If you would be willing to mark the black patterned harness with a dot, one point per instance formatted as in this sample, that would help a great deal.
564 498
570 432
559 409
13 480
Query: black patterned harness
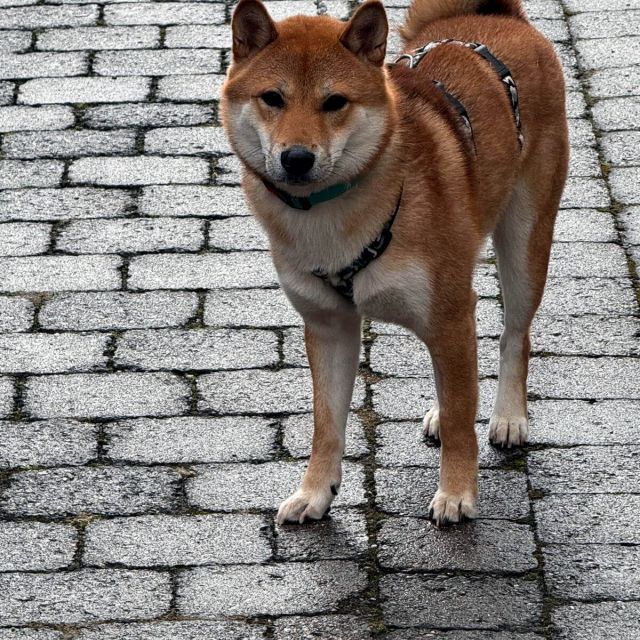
414 58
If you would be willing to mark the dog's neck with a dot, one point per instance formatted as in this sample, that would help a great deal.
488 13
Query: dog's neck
333 233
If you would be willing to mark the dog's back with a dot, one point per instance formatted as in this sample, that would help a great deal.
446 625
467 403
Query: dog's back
502 152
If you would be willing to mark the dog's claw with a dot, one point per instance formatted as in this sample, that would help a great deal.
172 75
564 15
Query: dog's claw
446 508
508 431
431 423
305 504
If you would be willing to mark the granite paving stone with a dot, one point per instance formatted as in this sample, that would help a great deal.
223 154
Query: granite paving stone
262 486
584 225
25 633
61 204
145 114
188 88
131 236
84 596
36 546
59 273
611 469
24 238
187 141
606 620
573 377
483 546
47 443
594 335
87 38
237 270
102 310
191 440
278 589
48 16
624 184
52 353
189 36
96 490
250 308
204 349
163 13
609 52
592 571
408 492
174 630
148 541
610 83
15 174
7 90
21 118
402 444
192 200
411 398
159 62
79 90
573 422
7 392
44 64
335 627
112 395
587 296
137 170
16 314
473 602
15 41
591 519
340 536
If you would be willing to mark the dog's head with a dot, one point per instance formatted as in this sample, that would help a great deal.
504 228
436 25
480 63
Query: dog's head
306 103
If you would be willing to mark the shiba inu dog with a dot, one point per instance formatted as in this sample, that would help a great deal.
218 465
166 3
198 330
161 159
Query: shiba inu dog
378 186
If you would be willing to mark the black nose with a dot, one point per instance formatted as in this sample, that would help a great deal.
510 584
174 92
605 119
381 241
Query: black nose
297 160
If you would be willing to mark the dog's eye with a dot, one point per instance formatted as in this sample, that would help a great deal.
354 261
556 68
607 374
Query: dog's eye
273 99
334 103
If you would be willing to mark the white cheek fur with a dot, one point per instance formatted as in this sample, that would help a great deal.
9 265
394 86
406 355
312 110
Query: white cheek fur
347 153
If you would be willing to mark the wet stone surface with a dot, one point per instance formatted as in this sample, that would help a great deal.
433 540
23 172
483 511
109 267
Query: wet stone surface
155 395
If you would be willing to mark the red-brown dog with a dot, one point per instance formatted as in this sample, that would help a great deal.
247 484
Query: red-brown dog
378 185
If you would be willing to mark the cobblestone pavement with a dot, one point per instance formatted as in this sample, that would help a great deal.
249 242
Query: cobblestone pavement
154 390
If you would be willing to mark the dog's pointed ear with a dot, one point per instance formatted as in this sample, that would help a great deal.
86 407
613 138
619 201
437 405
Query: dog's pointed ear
252 27
366 33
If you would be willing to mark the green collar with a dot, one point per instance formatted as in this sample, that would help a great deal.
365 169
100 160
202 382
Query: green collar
304 203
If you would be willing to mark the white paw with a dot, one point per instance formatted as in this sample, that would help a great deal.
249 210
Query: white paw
508 431
431 423
305 504
448 508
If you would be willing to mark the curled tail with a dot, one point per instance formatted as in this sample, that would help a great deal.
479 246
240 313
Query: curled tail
422 12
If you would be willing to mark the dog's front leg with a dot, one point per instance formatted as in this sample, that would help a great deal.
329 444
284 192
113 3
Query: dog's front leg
333 346
453 350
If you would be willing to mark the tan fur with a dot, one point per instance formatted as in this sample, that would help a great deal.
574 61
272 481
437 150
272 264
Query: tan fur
396 134
422 12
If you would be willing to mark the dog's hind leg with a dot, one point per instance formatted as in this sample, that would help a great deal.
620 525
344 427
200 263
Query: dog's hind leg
333 347
522 242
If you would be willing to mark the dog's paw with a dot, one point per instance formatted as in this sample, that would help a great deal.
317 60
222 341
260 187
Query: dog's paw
431 423
508 431
306 504
449 508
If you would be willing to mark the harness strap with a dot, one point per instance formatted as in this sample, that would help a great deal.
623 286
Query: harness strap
414 58
342 281
461 111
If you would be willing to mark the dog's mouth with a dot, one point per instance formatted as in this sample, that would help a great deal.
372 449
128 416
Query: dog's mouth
298 181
